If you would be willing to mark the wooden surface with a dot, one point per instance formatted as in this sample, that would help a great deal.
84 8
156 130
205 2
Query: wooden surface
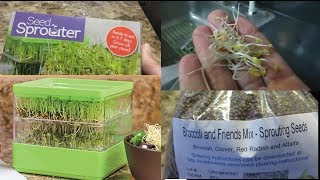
168 103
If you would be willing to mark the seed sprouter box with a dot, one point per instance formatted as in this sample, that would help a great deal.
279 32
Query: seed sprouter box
64 45
72 128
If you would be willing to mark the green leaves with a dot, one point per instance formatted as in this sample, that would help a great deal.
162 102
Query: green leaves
89 125
81 111
67 58
81 58
68 135
138 138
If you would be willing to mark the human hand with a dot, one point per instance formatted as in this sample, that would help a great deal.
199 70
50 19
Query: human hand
149 65
220 77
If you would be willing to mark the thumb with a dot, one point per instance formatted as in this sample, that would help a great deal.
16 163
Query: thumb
149 65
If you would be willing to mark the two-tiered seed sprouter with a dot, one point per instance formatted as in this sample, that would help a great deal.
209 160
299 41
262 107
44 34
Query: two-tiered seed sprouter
72 113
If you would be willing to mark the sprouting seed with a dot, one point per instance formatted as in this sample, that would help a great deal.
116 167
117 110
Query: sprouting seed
70 123
240 52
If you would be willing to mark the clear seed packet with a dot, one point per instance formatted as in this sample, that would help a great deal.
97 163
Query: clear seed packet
243 135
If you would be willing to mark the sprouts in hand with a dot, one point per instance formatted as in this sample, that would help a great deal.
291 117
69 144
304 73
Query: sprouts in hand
241 52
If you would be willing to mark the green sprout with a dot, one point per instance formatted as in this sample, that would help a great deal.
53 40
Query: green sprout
73 110
81 58
241 52
25 54
63 134
90 125
151 136
138 138
32 56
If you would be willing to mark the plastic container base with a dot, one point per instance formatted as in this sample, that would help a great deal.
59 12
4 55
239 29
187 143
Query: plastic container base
68 163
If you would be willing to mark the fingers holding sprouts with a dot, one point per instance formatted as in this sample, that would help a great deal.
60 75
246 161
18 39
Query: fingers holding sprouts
238 51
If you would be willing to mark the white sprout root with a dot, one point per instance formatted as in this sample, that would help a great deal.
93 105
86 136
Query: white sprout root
240 52
153 135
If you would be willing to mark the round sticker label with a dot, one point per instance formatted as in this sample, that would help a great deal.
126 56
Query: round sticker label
121 41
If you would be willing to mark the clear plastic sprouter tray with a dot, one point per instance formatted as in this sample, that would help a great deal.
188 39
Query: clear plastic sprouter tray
72 113
73 99
73 135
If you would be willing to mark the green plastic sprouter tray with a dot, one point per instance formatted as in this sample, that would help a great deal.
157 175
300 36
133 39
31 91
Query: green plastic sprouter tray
73 89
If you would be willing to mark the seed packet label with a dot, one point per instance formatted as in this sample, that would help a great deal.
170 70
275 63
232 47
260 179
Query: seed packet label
27 24
122 41
279 148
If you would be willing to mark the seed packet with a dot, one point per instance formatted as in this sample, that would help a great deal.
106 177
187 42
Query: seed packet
63 45
243 135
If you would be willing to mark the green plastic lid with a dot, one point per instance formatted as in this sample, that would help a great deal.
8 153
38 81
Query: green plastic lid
73 89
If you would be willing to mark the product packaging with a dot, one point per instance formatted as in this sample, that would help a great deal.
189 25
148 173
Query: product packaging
243 134
54 44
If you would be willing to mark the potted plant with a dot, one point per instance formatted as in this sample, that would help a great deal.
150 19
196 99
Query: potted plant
143 152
